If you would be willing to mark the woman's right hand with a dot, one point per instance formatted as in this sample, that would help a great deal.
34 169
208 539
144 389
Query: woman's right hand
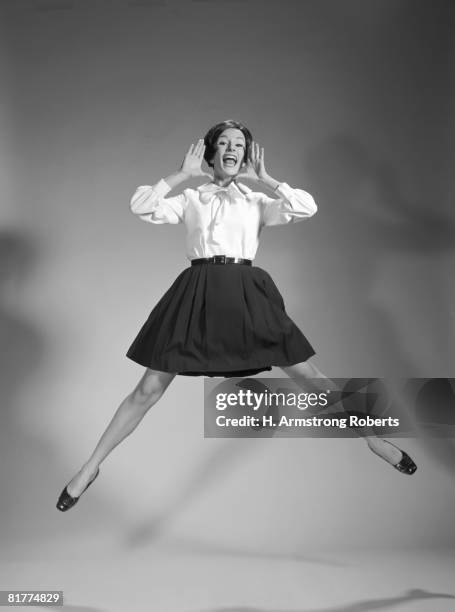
192 164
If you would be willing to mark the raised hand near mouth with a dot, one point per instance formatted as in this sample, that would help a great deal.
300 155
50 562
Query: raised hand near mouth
192 163
254 168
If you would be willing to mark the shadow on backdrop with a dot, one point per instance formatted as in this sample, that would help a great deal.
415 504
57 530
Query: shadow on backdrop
230 454
24 459
29 495
388 223
208 548
366 605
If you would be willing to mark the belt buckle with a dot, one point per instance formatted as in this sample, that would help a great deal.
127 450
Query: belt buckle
219 259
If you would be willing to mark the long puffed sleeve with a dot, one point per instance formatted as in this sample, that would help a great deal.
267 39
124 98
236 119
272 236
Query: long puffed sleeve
293 206
150 204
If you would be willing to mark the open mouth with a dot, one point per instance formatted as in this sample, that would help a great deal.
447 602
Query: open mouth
229 160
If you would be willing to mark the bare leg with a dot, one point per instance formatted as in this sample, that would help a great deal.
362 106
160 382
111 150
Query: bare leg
127 417
304 371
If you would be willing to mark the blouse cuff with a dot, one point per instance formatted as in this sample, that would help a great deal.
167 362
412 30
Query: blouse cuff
284 189
162 188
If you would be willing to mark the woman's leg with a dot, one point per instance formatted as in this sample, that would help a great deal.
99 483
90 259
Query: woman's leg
127 417
304 372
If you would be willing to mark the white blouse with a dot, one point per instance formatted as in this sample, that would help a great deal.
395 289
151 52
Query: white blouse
222 220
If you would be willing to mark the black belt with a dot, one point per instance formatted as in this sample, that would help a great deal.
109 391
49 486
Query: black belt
221 259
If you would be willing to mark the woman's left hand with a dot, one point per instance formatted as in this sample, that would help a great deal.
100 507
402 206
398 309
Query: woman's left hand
254 168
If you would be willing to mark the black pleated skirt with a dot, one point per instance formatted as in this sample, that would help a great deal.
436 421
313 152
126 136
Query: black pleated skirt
221 320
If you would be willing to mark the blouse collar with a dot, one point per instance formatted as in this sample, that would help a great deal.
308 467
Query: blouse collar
233 188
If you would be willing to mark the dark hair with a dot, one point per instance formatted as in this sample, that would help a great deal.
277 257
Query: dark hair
214 132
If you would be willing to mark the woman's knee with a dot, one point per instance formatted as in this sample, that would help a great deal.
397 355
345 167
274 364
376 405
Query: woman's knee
303 369
151 387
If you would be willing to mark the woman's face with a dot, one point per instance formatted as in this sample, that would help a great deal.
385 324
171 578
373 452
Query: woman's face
230 151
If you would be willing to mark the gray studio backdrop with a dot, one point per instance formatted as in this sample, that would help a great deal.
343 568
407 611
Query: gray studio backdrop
352 101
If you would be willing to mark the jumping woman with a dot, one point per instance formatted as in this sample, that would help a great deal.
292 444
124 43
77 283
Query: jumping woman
222 316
